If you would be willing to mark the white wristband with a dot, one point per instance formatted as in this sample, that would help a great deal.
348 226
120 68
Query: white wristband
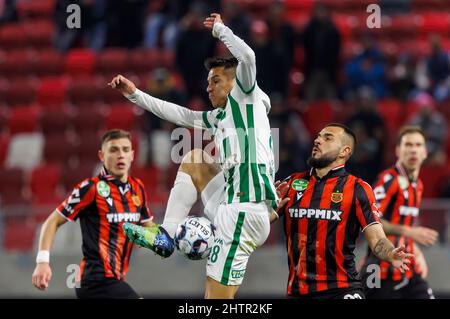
43 256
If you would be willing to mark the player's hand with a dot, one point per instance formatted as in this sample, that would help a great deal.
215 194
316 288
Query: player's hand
282 189
421 265
42 275
422 235
123 85
400 259
211 20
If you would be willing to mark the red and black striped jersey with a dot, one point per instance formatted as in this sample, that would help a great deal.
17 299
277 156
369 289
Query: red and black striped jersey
322 221
399 200
103 204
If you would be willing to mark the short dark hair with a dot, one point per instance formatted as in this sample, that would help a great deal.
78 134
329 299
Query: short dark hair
408 129
347 130
115 134
215 62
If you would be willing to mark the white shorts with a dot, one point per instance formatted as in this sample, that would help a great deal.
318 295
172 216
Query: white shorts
240 229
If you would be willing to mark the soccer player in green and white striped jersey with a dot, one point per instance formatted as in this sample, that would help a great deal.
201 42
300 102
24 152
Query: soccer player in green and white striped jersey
239 192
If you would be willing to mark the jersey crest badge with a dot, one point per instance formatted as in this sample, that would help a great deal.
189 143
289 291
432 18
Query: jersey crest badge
103 189
337 197
136 200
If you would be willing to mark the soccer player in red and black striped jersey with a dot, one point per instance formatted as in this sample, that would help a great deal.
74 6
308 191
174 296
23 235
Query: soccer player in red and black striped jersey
398 191
102 204
324 210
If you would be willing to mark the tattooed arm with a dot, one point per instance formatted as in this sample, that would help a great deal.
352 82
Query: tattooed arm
383 248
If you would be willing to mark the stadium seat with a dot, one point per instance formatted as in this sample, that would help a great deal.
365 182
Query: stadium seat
317 115
12 36
112 61
54 122
84 89
391 111
23 119
25 151
19 91
72 177
80 62
4 144
88 119
149 175
12 186
433 178
39 34
47 62
435 22
19 235
52 91
86 151
44 180
143 60
35 9
15 62
121 116
58 149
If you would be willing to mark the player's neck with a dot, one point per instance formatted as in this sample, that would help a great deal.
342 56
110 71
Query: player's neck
413 174
321 172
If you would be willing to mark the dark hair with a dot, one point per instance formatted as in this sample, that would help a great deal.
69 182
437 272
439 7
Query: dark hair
408 129
347 130
115 134
215 62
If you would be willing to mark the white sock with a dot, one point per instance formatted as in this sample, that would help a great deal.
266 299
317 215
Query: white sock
181 199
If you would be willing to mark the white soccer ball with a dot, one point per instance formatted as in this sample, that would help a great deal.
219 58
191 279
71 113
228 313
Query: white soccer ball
194 237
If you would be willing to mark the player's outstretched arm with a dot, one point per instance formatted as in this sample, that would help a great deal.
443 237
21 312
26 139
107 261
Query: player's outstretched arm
384 250
246 70
42 273
165 110
422 235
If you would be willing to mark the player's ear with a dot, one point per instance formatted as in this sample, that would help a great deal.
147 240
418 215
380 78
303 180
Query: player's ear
397 151
101 155
132 155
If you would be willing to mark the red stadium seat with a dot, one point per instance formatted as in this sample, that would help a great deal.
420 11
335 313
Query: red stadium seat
47 62
72 177
391 111
58 149
52 91
15 62
149 175
39 33
12 36
80 62
112 61
19 91
23 119
4 143
88 119
143 60
54 122
85 89
121 116
433 177
19 235
317 115
87 149
36 9
44 180
12 186
435 22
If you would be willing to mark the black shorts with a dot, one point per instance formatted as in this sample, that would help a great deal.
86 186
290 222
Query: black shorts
414 288
106 289
340 293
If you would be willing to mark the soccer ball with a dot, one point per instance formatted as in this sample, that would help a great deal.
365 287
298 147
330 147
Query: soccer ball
194 237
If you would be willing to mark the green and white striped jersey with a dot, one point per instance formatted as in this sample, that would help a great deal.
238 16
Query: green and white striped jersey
244 143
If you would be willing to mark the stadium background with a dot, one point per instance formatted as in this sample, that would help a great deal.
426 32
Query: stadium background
54 103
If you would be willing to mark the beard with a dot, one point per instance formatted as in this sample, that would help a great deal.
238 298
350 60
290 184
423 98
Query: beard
321 162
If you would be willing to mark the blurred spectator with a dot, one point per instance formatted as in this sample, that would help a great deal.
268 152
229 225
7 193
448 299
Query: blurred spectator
126 21
269 61
322 43
194 45
402 77
162 84
93 25
434 125
237 19
8 11
161 27
366 69
370 131
433 73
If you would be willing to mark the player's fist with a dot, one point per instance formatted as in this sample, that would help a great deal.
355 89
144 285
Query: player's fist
41 276
211 20
121 83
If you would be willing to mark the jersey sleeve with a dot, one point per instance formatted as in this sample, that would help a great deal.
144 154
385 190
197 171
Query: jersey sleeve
82 196
210 119
146 213
367 212
385 188
246 69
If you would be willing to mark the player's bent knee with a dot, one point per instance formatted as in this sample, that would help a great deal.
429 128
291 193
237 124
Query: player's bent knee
200 166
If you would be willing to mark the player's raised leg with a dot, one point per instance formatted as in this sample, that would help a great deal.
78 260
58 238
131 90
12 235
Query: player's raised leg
195 172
